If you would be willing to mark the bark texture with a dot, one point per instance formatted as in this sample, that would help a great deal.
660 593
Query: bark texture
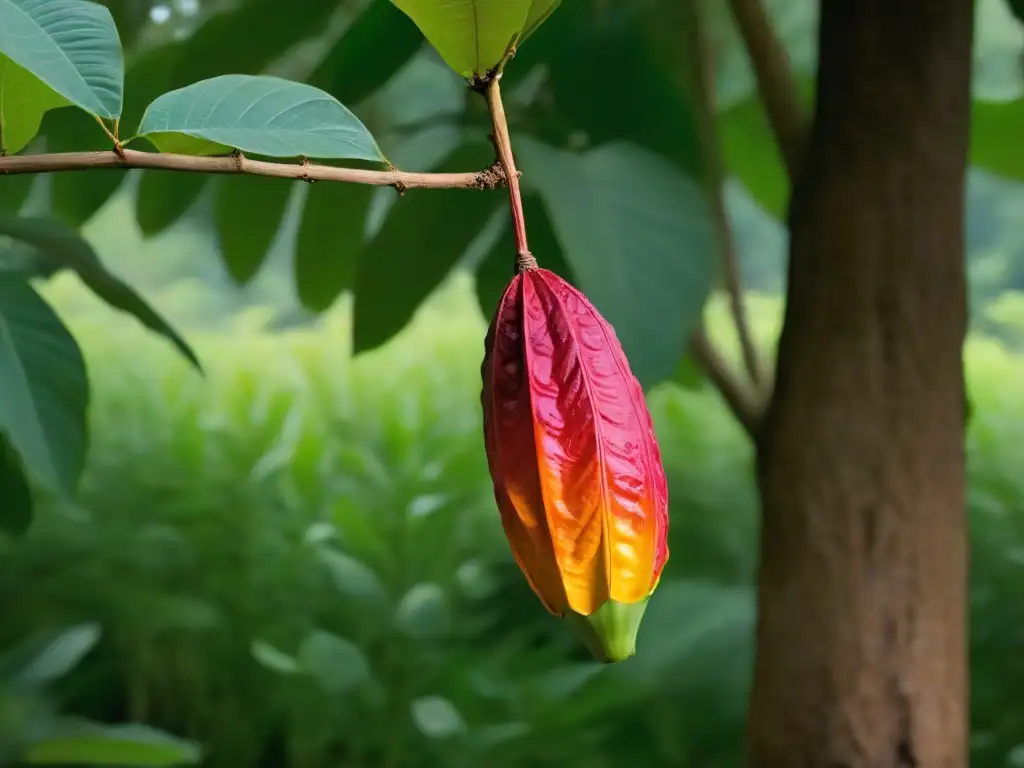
861 659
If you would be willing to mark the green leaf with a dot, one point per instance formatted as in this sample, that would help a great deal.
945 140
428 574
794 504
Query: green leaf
130 18
751 154
423 612
273 659
14 191
216 47
64 248
337 664
149 75
540 10
331 237
76 197
422 238
496 269
358 65
69 45
247 213
81 742
258 114
472 36
24 99
638 235
59 655
16 510
163 197
997 128
44 385
623 67
1017 9
437 718
353 578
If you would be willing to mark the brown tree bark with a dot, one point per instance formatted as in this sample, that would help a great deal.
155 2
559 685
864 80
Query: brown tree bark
861 656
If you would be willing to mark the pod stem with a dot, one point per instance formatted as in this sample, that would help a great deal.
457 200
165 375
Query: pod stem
503 147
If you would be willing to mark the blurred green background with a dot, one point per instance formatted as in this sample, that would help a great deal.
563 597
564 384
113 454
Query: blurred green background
296 562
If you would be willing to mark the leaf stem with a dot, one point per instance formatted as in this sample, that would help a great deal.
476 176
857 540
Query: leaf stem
490 178
503 148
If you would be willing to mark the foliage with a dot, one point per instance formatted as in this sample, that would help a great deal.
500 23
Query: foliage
319 577
34 733
189 84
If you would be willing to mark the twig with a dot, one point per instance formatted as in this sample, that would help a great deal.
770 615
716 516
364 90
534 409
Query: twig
715 177
491 178
743 405
774 80
490 86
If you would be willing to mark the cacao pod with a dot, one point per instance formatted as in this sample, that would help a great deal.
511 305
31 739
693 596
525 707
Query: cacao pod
577 471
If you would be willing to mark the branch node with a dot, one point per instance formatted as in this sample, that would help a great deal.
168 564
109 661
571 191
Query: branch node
491 178
304 162
525 261
399 186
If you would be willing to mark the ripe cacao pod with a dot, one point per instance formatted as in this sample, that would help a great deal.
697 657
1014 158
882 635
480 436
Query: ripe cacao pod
577 471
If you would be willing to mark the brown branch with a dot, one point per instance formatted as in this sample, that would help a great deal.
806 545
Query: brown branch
715 176
775 80
743 404
491 178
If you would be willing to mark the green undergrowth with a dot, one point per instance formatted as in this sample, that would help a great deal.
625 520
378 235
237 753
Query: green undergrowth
296 559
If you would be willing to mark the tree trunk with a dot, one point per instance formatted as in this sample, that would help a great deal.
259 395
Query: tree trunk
861 654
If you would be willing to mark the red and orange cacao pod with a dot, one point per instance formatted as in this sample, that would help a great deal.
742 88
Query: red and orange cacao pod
576 467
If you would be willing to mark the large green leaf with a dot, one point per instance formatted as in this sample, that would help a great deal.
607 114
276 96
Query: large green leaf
357 65
472 36
69 45
24 99
333 230
14 191
163 197
751 155
216 47
76 197
997 137
81 742
16 510
247 213
259 114
625 66
750 152
331 237
54 656
336 663
64 248
44 385
423 237
639 238
496 269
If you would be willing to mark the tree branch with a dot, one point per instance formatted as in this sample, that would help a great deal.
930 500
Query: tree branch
490 178
715 176
744 406
775 81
